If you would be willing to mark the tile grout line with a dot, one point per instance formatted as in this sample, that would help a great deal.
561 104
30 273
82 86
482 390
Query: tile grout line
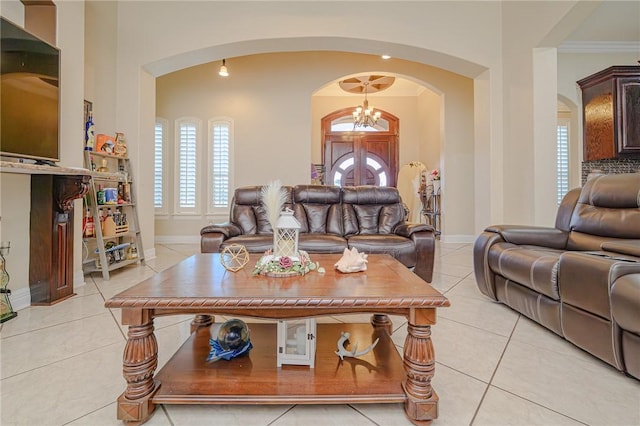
475 414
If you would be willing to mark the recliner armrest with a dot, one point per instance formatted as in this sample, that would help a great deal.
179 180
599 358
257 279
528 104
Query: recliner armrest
407 229
227 229
531 235
630 248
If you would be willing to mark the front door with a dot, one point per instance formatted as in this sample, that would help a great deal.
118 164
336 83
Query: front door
360 157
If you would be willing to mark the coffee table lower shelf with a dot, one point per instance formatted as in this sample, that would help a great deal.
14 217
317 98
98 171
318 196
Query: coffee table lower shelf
254 379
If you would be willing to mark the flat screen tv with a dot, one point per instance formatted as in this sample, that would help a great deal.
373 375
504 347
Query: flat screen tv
29 92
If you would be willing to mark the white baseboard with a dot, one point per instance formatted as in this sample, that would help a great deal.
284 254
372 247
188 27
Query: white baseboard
78 279
177 239
150 254
20 298
458 239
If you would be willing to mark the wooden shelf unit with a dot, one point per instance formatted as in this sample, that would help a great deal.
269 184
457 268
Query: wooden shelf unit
95 262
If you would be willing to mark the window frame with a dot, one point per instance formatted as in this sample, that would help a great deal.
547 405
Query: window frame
164 210
177 209
563 122
211 209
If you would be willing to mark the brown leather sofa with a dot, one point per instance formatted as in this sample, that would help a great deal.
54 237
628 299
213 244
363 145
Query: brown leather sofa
368 218
580 279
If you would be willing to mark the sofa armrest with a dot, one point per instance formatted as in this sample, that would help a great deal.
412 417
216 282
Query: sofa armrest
406 229
212 236
425 243
228 229
630 248
532 235
485 278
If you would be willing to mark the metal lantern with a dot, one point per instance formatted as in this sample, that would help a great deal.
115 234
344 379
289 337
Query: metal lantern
297 342
285 236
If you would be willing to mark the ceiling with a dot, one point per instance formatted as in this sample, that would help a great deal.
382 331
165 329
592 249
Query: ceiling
612 21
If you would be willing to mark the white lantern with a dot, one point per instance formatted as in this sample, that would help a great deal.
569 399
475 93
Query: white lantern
285 236
297 342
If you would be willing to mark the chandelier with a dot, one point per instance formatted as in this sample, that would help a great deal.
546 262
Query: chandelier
364 116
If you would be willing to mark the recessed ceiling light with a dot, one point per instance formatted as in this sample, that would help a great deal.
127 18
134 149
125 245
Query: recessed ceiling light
386 56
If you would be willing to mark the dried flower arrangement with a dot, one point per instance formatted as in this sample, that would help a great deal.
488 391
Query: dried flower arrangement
285 266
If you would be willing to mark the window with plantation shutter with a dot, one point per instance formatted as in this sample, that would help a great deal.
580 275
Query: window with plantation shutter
159 186
220 140
563 158
187 135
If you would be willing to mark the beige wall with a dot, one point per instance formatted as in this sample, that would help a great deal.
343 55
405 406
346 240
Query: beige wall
493 45
277 118
16 190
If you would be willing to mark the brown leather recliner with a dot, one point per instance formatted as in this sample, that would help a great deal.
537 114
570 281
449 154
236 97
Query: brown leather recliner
580 279
368 218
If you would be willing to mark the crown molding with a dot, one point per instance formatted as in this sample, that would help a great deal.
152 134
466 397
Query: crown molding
600 47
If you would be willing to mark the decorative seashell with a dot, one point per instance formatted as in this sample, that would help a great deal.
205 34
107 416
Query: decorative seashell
352 261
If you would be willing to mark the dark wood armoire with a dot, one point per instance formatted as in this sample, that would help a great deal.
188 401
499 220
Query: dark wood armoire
611 113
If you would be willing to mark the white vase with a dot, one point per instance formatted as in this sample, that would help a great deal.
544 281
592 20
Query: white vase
436 186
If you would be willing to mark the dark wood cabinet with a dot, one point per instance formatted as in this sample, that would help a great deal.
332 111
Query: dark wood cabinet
51 236
611 113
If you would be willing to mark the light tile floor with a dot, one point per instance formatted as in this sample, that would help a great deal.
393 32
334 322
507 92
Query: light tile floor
61 365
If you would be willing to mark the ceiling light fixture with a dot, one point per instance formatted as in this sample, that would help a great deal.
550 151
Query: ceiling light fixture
386 56
223 69
364 116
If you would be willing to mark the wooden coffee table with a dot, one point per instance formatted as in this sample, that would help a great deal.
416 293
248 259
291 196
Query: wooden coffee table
200 285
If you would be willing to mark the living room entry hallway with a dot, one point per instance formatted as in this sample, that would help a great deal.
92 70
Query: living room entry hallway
62 365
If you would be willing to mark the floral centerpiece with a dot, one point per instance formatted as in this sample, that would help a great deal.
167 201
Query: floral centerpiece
284 266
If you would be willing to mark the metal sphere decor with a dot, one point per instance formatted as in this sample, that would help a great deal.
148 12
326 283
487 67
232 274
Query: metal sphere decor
232 339
234 257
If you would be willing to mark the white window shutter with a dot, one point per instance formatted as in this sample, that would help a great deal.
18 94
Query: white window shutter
158 167
563 160
220 142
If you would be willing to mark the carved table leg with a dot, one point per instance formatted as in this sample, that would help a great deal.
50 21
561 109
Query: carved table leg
382 320
421 405
201 321
140 361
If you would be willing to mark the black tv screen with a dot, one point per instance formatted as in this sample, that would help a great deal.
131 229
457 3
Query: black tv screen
29 92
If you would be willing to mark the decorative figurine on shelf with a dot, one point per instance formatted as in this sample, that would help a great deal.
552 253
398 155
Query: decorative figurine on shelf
352 261
120 149
89 133
342 352
232 340
6 310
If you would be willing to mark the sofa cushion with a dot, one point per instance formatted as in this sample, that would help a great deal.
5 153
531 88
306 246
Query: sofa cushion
399 247
248 212
625 302
530 266
584 279
322 243
369 210
608 207
318 208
